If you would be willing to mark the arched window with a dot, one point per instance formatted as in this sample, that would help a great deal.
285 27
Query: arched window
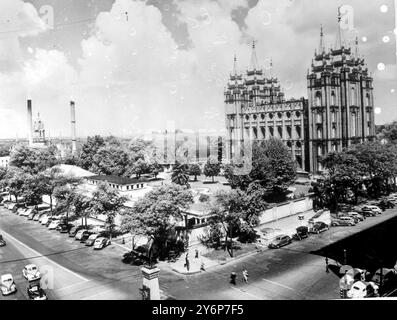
319 133
319 117
333 132
298 131
353 95
263 131
367 100
318 99
319 150
289 131
333 116
271 131
280 132
333 98
353 124
255 131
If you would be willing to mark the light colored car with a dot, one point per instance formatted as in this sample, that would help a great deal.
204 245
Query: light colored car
101 243
356 215
54 224
7 284
280 241
343 221
358 290
45 219
91 239
20 211
373 208
26 213
31 273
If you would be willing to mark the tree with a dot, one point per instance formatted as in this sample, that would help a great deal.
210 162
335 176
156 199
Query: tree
241 181
108 202
3 178
179 175
110 160
15 178
139 167
33 190
89 149
82 207
194 170
33 160
159 212
65 196
53 178
212 168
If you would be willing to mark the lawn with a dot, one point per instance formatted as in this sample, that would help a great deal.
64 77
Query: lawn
238 250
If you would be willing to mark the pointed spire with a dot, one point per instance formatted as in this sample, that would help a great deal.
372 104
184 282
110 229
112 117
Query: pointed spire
235 65
356 47
339 37
321 48
254 59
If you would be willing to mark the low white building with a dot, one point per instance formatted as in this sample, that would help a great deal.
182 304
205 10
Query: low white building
4 161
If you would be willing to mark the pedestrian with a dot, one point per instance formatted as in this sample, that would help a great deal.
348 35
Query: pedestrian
233 277
245 275
187 265
326 265
196 254
202 268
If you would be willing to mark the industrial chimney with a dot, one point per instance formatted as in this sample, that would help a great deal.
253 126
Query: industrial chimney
30 123
73 123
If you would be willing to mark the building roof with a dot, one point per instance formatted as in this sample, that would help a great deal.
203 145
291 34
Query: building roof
74 171
116 179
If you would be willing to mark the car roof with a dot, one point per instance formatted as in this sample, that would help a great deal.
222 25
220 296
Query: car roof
6 276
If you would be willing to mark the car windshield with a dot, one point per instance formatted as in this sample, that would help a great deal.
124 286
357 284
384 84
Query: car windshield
7 280
33 268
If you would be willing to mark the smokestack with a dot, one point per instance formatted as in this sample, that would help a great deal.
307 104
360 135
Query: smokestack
30 123
73 123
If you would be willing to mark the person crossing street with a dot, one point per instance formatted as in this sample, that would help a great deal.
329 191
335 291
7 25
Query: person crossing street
245 275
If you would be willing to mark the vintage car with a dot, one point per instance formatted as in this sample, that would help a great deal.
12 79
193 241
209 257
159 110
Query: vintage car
101 243
362 289
91 239
35 292
343 221
280 241
31 272
7 284
319 227
301 233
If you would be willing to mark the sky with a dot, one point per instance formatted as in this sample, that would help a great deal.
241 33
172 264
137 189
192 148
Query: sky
134 66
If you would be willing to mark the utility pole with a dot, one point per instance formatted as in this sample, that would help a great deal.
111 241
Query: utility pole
345 256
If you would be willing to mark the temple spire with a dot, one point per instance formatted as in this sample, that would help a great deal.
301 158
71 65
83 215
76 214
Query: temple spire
321 48
356 47
235 65
339 37
254 59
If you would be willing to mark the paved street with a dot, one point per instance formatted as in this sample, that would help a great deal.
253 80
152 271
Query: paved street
293 272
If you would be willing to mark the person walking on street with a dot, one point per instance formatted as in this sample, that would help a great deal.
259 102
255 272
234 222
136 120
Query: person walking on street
326 265
196 254
202 268
245 275
187 264
233 277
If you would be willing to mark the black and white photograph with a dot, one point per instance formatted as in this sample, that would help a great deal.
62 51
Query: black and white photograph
198 150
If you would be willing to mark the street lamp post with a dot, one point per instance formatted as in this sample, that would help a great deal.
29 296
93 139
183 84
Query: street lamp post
345 256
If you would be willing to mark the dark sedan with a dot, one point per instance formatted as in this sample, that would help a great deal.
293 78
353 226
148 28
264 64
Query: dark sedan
319 227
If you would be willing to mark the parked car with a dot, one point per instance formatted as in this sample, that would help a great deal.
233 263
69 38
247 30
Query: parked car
280 241
64 228
356 216
35 292
91 239
50 220
343 221
383 273
319 227
38 216
20 210
83 233
26 212
32 214
86 235
301 233
375 209
2 241
7 284
362 289
54 224
31 273
74 230
44 219
101 243
367 212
